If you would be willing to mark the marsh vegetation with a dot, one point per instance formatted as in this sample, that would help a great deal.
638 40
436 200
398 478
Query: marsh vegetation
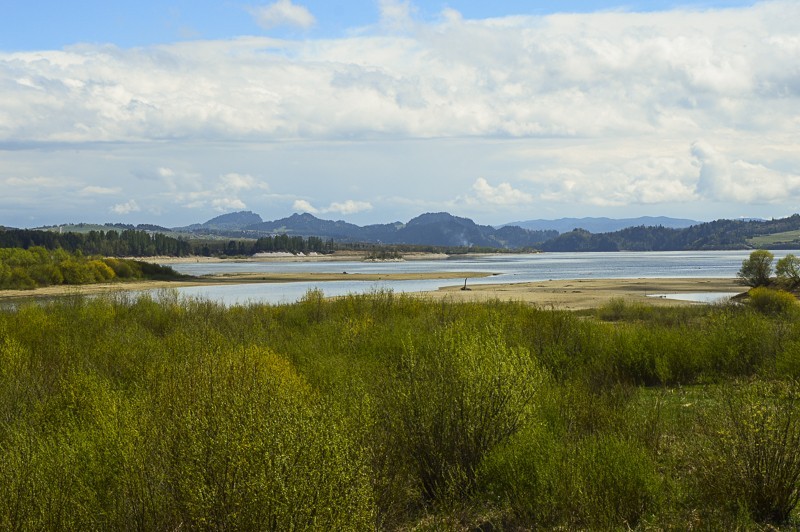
388 412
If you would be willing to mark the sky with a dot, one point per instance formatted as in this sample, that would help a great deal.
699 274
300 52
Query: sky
374 111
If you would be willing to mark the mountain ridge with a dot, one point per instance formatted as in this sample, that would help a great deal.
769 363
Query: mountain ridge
604 224
444 230
432 229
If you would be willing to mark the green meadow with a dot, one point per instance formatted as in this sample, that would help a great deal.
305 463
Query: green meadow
386 412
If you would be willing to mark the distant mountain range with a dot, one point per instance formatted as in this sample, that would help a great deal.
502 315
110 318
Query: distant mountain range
567 234
603 225
232 221
443 230
431 229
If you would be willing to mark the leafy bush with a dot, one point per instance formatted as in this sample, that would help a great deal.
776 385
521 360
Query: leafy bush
249 445
787 362
769 301
600 482
618 309
749 451
451 401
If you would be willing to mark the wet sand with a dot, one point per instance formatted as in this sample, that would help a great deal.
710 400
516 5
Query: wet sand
588 293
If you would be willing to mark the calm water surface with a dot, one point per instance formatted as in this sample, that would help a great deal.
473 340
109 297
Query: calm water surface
504 269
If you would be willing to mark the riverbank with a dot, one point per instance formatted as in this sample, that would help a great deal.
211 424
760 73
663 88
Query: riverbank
584 294
578 294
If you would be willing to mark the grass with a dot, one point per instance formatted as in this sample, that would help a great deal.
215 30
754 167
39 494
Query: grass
382 411
765 241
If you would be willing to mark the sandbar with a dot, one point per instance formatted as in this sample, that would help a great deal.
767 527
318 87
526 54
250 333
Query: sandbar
581 294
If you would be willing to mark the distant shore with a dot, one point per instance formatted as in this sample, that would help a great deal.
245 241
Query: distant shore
344 256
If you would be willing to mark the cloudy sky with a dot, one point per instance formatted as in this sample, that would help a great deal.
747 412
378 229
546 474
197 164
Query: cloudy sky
172 112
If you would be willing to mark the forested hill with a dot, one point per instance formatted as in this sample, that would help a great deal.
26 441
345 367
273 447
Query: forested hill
429 229
128 243
719 234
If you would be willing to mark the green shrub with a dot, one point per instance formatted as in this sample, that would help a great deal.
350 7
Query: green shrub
749 451
522 476
737 342
618 309
615 483
450 401
249 445
601 482
769 301
100 271
787 362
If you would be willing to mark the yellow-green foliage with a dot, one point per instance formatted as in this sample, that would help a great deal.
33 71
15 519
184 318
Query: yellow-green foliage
750 451
382 411
770 301
37 266
452 399
132 426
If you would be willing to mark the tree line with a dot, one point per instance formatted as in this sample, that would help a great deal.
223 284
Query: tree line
282 243
128 243
138 243
719 234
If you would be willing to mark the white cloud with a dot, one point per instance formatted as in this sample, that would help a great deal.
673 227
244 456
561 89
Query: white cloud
304 206
741 181
221 194
99 191
348 207
502 194
283 13
228 204
608 179
126 208
344 208
236 182
608 74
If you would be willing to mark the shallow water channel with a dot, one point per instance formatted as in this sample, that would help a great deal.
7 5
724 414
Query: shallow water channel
505 268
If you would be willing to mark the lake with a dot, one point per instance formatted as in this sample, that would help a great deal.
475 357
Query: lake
505 268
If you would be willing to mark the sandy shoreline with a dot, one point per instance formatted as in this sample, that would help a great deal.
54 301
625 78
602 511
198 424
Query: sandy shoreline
562 294
580 294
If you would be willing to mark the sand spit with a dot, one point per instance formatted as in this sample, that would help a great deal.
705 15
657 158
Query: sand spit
588 293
